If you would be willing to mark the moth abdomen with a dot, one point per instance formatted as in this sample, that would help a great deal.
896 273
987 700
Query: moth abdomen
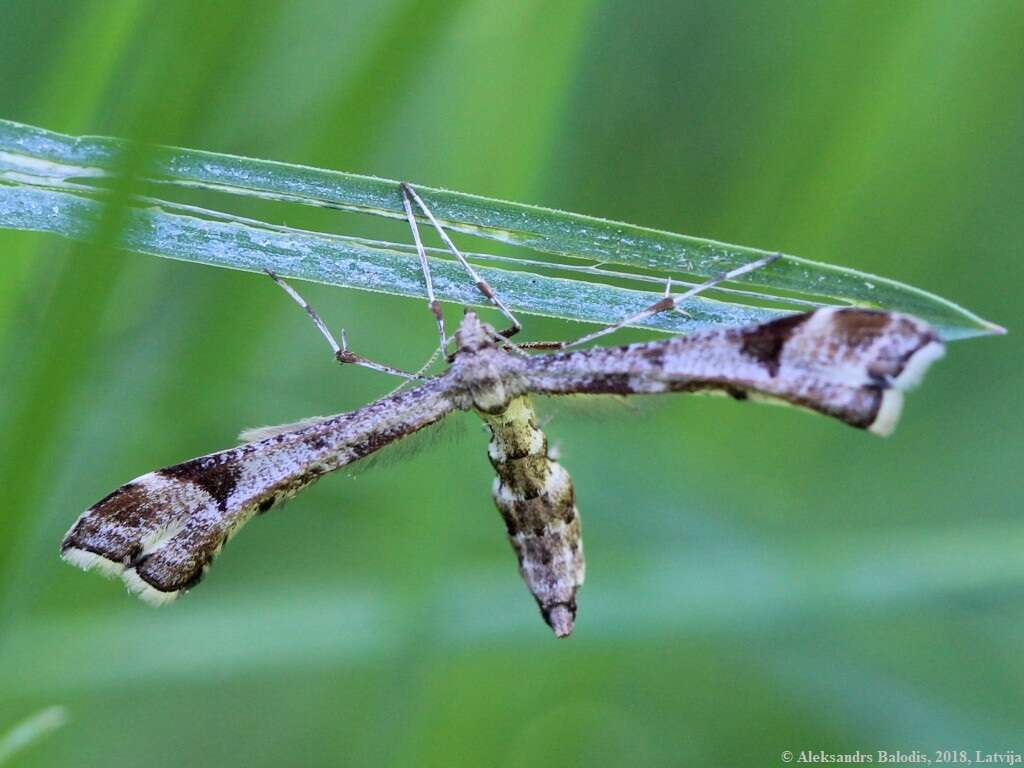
535 496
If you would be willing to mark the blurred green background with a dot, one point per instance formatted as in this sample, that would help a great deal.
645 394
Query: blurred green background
759 579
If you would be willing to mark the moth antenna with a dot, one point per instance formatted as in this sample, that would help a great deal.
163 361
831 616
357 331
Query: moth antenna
432 302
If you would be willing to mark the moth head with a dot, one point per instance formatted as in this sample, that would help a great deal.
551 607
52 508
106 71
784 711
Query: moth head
474 334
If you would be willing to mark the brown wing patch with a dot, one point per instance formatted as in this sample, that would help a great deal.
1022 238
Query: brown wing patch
182 563
764 342
106 529
214 474
859 327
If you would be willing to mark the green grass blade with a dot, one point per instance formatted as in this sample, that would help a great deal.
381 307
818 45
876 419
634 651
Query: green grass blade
29 731
29 154
344 261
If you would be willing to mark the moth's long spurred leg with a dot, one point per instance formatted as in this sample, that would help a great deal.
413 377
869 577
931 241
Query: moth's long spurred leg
409 195
341 352
851 364
671 302
432 302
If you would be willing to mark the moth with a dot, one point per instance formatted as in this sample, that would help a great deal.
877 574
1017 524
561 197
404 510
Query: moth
161 531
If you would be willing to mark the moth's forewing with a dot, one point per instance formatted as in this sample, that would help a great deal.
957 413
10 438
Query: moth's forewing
161 531
851 364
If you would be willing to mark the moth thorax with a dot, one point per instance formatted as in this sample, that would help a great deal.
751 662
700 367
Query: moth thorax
492 379
490 396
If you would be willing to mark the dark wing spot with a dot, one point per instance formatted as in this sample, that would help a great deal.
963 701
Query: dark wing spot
859 327
122 505
864 411
107 529
764 342
214 474
654 354
607 384
165 577
317 441
113 495
374 441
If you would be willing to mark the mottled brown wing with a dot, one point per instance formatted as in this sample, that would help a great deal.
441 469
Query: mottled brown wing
160 532
852 364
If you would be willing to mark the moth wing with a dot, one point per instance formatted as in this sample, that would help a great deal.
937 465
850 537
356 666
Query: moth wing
161 531
851 364
255 434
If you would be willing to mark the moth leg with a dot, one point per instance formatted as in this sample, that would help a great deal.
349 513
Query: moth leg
667 303
409 196
432 302
341 352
